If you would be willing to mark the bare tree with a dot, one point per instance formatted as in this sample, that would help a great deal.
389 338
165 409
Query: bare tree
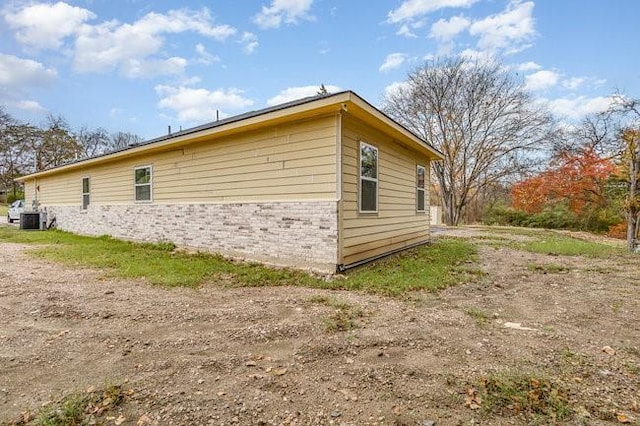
626 112
15 139
56 145
93 142
122 140
481 118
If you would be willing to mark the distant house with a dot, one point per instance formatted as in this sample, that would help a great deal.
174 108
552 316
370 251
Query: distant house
325 182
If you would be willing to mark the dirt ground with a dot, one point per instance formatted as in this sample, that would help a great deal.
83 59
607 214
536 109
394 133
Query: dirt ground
219 355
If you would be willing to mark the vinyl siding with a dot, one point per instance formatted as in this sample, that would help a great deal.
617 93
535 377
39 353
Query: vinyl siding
295 161
397 223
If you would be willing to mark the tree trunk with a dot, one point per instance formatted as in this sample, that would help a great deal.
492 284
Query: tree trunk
632 212
631 233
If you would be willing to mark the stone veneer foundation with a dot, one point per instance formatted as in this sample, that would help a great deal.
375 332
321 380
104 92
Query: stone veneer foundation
298 234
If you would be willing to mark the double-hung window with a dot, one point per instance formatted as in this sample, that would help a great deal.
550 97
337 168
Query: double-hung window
86 193
420 188
368 178
143 183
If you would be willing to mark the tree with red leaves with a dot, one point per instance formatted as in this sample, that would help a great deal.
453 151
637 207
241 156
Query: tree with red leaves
576 178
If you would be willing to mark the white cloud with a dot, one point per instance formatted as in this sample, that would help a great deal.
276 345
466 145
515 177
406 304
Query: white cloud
406 31
508 30
250 41
412 9
18 73
477 55
200 105
205 57
573 83
29 105
576 108
135 68
287 11
112 45
528 66
46 25
541 80
395 88
294 93
445 30
393 61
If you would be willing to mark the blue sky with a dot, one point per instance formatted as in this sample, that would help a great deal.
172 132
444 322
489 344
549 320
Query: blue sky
140 65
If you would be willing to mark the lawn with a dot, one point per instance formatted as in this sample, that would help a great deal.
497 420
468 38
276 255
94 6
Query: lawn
430 267
3 210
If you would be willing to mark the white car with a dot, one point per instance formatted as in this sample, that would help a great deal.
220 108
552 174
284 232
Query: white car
14 211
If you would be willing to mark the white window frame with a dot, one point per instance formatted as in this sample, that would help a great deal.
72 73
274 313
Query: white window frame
136 185
88 194
361 178
423 189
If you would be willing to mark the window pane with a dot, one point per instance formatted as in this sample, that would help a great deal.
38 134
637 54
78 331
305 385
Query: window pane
85 201
143 175
143 193
368 161
420 199
368 196
85 185
420 177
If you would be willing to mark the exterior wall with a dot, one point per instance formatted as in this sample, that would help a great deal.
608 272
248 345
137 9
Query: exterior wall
397 224
298 234
268 195
296 161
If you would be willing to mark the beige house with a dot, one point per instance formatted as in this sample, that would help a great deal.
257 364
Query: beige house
325 182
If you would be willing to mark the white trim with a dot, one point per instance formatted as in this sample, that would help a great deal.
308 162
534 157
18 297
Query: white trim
135 185
423 189
82 206
361 178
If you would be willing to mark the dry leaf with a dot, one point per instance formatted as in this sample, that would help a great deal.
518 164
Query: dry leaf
397 410
121 419
609 350
622 418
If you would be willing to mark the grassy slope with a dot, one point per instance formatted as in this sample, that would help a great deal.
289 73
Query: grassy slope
429 267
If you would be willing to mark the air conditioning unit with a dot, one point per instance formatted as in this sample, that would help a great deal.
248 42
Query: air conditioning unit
33 220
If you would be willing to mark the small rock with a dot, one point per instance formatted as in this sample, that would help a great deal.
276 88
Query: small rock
144 420
335 414
428 423
250 364
200 381
609 350
109 292
279 371
121 419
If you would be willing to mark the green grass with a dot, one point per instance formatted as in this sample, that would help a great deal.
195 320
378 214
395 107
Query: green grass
535 397
480 316
550 242
81 408
432 267
548 268
560 245
345 316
